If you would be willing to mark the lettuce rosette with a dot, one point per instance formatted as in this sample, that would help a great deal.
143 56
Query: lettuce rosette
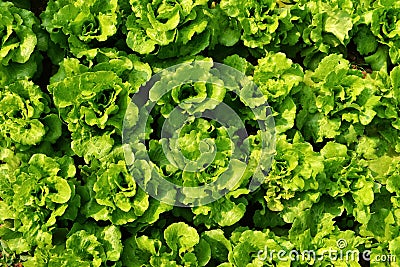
339 103
110 191
384 23
26 119
19 56
80 26
92 100
329 29
266 24
37 195
279 82
168 29
93 105
344 104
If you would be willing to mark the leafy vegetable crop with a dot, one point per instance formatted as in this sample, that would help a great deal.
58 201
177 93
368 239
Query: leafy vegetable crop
199 133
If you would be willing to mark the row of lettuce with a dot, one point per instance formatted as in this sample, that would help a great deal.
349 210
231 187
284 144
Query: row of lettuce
162 29
67 198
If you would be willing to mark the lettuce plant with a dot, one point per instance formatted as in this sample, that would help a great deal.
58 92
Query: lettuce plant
35 195
18 37
158 26
26 118
20 42
94 110
79 26
384 21
111 192
265 23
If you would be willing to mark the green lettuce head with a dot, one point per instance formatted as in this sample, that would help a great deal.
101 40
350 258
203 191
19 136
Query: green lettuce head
80 25
18 39
167 28
112 194
35 197
265 24
92 100
25 117
93 105
385 25
19 42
